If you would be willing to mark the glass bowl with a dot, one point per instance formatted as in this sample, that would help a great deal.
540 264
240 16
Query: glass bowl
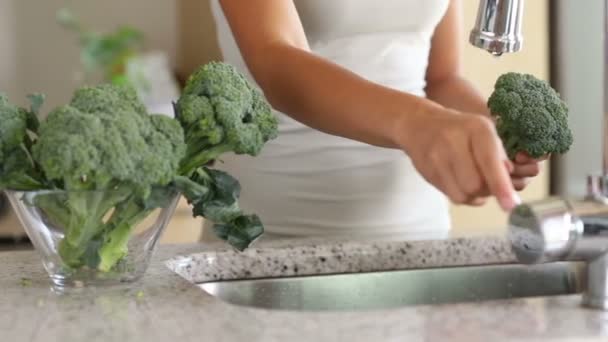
89 238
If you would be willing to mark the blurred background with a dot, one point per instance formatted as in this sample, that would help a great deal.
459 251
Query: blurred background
42 52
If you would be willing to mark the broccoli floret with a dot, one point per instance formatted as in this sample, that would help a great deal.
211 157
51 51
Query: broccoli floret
107 99
102 140
221 112
530 116
17 168
105 142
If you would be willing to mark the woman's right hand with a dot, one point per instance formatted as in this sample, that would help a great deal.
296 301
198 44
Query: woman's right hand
462 155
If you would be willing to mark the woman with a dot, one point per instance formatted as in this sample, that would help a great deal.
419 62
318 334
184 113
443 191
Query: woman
378 129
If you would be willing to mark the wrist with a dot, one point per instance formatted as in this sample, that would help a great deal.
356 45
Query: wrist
409 126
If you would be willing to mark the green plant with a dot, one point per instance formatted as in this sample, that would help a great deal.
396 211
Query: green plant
107 53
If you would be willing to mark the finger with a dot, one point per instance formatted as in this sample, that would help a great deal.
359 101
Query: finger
490 157
520 183
477 201
466 173
526 170
523 158
450 186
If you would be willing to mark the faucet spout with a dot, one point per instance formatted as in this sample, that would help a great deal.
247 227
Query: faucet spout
498 26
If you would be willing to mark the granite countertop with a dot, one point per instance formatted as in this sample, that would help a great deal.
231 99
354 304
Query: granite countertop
163 306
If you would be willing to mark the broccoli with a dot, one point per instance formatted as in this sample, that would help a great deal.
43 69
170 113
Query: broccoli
221 112
104 163
18 170
104 141
530 116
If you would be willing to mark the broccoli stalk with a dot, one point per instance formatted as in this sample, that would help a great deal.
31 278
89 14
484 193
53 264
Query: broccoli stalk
125 218
530 116
119 228
85 214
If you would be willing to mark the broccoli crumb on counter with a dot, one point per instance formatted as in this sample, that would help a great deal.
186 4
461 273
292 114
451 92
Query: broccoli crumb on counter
530 116
25 282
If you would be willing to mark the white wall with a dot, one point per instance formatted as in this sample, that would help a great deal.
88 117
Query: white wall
580 58
47 55
9 83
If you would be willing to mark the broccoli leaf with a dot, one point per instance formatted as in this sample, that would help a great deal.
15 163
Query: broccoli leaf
241 231
214 195
223 206
36 102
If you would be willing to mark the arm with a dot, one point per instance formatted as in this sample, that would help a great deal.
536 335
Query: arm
298 83
459 154
445 83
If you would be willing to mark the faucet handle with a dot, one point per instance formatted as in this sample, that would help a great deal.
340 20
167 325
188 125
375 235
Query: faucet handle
544 230
498 26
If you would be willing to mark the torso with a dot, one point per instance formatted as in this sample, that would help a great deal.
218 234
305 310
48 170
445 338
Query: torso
309 183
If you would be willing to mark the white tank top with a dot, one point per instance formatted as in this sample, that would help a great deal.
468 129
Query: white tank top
310 183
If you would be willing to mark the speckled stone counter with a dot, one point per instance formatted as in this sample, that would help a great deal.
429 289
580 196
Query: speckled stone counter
164 306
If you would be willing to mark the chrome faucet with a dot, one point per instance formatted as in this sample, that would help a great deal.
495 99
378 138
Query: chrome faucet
554 229
498 26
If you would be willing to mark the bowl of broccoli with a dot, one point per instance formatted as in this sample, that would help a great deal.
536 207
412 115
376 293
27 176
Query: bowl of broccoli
97 180
94 237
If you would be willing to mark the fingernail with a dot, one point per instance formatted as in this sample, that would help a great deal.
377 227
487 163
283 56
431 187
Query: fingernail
510 202
515 198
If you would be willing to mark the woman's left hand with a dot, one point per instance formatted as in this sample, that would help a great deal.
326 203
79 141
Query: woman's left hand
524 168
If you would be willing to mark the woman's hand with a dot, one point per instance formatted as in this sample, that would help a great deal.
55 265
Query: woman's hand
524 168
462 155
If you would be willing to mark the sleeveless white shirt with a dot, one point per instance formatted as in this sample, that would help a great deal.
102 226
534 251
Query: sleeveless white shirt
310 183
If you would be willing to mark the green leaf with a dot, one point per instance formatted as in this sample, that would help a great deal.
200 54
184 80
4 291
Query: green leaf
241 232
67 19
119 79
222 206
36 102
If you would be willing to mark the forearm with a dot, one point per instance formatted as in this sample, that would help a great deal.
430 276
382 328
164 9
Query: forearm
332 99
457 93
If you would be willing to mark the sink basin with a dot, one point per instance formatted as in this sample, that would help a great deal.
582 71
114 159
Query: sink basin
391 289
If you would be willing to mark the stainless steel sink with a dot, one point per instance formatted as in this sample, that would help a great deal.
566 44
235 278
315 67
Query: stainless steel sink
382 290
